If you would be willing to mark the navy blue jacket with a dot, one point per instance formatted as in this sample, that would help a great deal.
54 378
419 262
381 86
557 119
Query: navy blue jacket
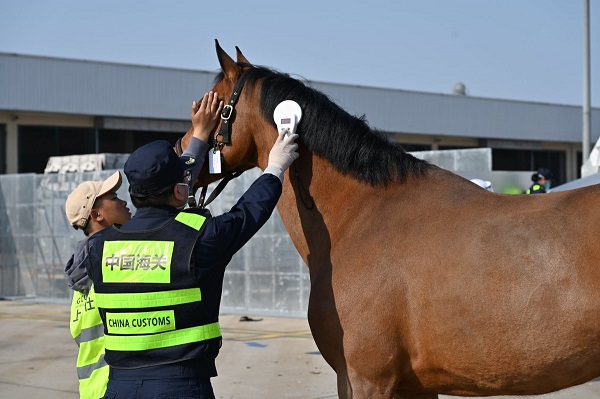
220 236
219 239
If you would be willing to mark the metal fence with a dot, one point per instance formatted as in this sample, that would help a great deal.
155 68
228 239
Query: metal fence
267 276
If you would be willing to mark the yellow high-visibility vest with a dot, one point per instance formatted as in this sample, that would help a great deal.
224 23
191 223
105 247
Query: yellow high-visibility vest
148 297
88 332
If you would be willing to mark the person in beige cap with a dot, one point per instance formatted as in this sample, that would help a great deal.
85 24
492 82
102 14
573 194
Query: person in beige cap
91 207
94 205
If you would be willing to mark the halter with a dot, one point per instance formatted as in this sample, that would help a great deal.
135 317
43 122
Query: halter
228 111
225 133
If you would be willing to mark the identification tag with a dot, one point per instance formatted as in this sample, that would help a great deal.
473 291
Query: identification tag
214 162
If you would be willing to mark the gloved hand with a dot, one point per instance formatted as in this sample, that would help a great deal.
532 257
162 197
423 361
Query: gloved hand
284 152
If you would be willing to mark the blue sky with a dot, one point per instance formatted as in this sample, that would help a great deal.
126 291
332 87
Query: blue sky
514 49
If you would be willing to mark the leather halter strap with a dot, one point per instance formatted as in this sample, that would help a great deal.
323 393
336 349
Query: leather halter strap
228 110
225 133
204 202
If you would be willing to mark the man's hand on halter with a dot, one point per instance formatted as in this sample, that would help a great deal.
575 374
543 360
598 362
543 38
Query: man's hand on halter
205 115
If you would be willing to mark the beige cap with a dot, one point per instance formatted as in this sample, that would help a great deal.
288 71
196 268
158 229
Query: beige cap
81 200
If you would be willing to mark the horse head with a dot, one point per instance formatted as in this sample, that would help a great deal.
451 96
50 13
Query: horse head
235 137
247 131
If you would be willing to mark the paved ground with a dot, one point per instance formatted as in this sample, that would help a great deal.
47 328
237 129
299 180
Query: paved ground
271 358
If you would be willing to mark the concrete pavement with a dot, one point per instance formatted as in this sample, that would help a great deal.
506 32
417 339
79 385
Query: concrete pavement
271 358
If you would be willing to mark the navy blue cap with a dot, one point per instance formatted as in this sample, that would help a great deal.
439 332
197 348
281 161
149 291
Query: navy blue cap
545 173
154 167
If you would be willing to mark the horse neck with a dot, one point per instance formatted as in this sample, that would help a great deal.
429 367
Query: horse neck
316 203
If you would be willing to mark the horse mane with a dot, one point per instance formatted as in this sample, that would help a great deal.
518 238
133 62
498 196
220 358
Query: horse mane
329 131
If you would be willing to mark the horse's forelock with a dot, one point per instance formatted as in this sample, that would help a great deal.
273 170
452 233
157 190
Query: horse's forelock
220 76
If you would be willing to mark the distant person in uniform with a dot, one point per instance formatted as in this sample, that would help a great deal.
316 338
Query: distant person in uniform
542 180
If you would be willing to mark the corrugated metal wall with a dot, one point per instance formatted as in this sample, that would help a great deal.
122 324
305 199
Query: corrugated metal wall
99 89
40 84
462 116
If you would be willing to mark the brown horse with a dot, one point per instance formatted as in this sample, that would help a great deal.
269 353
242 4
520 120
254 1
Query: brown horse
422 283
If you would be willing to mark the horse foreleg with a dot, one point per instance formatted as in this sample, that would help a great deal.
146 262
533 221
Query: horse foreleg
356 386
362 389
343 386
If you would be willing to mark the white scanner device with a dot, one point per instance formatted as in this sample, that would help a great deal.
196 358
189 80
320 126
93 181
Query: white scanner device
287 115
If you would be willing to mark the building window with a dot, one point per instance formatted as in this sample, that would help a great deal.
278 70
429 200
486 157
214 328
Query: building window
454 147
38 143
415 147
530 160
125 141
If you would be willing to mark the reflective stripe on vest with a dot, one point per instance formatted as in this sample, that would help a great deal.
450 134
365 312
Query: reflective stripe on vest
94 387
162 340
90 334
85 372
534 188
191 220
149 299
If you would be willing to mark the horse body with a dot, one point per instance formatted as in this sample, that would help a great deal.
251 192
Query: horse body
473 294
429 284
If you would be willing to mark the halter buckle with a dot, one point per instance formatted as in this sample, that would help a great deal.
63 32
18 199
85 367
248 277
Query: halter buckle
226 112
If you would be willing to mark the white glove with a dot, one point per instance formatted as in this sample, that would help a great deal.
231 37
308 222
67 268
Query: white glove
284 152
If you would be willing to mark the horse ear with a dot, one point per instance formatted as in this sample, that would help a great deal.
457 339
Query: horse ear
228 65
240 57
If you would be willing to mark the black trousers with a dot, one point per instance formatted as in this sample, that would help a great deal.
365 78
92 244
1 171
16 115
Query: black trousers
169 382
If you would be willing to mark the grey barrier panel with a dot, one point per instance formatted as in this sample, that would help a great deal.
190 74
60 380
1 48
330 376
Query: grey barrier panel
11 189
456 160
267 276
476 163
